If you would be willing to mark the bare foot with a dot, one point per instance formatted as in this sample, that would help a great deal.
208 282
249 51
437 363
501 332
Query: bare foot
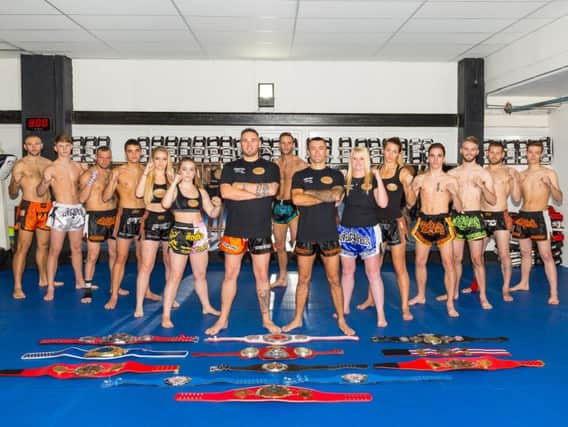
520 287
292 325
111 304
406 314
152 296
217 327
139 313
417 300
211 310
280 282
382 323
49 295
366 304
18 294
507 296
345 328
553 300
452 312
442 297
58 284
468 290
123 292
271 327
486 305
167 324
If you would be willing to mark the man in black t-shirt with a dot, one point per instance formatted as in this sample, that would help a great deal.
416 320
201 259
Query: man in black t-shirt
248 186
316 190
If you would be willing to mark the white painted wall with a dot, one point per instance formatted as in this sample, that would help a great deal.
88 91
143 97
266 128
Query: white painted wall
540 52
231 86
559 132
10 84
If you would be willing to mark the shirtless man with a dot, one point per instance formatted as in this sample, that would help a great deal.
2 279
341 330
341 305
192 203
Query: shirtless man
434 225
123 181
31 217
100 216
67 215
538 183
316 190
248 186
284 213
497 221
474 184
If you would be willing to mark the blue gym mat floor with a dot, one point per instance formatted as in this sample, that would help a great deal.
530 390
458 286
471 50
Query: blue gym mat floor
519 397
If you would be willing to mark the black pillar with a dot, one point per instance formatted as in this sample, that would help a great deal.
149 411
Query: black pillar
471 102
47 98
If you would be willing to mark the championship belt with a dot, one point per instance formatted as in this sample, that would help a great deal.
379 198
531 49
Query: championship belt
446 352
64 371
120 338
350 378
434 339
486 363
273 393
110 352
275 352
280 339
276 367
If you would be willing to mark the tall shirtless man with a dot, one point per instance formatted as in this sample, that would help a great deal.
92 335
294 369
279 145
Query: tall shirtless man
434 224
100 215
538 183
284 213
67 215
474 185
497 221
31 217
123 181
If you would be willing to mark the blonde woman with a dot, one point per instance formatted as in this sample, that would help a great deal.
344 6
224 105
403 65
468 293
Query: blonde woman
397 180
188 236
156 222
359 232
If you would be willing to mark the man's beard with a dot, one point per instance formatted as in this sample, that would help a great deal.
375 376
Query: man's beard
470 160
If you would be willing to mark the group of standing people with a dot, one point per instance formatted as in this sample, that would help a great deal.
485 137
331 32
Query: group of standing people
157 205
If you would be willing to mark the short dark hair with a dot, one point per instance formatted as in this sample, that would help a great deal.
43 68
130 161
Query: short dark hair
132 141
283 134
393 140
496 144
63 137
102 148
315 138
534 143
32 135
437 145
249 130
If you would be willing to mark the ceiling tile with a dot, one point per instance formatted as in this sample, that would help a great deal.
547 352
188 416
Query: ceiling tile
477 9
553 9
227 38
348 25
435 52
440 38
45 36
332 52
243 8
36 22
106 22
527 25
27 7
249 51
115 7
505 37
144 36
199 23
455 25
353 39
483 50
357 9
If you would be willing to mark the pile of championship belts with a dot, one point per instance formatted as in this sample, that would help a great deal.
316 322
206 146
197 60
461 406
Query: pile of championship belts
271 377
557 241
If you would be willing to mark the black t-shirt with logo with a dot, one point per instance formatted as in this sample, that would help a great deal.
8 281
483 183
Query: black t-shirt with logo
317 222
360 209
249 218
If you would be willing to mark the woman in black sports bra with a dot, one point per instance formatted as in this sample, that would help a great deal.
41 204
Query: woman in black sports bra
156 222
188 237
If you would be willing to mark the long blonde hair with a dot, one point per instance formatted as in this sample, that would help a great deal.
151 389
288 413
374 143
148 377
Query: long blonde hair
368 178
149 188
197 178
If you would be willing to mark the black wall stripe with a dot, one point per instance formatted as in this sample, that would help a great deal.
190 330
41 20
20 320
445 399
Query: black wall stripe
249 119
